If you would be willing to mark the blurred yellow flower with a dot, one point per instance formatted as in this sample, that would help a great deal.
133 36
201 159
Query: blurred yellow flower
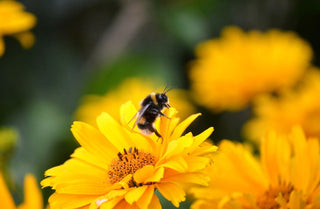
32 195
298 106
117 167
286 176
16 22
8 140
230 71
134 89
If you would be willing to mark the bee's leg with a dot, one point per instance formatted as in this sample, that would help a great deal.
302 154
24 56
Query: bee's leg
153 129
163 115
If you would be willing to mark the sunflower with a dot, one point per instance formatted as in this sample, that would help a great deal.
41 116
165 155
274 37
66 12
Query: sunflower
32 195
287 175
230 71
298 106
15 22
118 167
134 88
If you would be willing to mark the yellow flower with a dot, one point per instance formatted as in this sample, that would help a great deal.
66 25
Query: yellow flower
16 22
117 167
134 88
32 195
230 71
8 140
286 176
298 106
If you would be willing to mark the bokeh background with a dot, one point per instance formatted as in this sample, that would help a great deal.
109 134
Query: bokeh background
88 47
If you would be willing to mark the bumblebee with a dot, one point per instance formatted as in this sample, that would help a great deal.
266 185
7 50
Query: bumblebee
150 110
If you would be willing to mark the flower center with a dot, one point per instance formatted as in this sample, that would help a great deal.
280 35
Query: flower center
268 198
127 163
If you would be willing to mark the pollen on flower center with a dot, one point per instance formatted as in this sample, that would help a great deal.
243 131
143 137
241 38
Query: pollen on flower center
127 163
268 199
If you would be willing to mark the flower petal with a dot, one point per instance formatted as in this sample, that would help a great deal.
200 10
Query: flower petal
32 194
73 178
1 46
146 198
172 192
85 156
196 163
178 131
5 196
143 174
176 147
200 138
134 194
156 176
70 201
155 203
176 163
165 123
127 114
93 141
112 130
195 178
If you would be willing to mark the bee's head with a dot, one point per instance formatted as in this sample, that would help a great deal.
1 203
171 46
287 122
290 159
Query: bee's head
163 100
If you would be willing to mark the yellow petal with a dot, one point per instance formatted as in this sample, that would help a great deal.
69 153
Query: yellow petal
178 131
145 173
155 203
195 178
93 141
70 201
125 181
172 192
296 200
14 19
196 163
176 147
112 130
123 205
200 138
116 193
110 204
127 114
26 39
20 22
32 194
135 194
1 46
165 124
77 177
146 198
176 163
156 176
82 154
204 150
5 196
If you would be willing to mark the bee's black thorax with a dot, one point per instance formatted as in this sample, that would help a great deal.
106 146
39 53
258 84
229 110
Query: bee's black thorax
150 110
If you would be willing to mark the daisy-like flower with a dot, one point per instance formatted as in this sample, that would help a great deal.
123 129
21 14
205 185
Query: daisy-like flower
230 71
32 195
15 22
298 106
286 176
134 88
117 167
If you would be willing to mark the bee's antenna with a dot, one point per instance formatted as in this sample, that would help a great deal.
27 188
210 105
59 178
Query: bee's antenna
166 89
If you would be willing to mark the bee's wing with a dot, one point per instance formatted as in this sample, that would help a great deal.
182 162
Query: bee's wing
139 114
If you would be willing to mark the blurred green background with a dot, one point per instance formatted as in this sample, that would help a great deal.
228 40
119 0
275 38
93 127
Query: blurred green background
91 46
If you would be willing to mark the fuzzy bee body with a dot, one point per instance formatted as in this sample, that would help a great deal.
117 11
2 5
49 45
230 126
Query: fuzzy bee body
150 110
